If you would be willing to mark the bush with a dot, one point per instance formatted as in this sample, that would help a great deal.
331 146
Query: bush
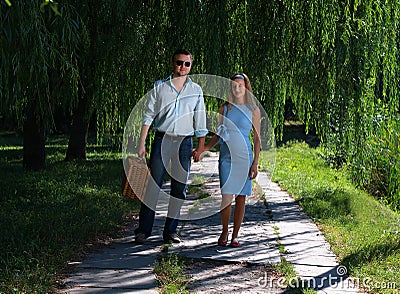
376 167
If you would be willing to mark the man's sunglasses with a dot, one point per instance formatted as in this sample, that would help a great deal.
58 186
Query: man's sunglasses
181 62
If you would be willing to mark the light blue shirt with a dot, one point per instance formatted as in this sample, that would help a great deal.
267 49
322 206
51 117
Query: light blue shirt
176 114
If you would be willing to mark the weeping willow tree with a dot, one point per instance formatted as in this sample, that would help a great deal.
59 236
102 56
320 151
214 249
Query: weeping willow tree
153 31
107 64
37 70
135 57
156 29
86 67
336 61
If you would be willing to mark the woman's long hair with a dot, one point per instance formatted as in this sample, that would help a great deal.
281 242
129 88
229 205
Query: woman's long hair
249 97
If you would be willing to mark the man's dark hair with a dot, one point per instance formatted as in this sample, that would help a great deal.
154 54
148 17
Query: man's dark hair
181 51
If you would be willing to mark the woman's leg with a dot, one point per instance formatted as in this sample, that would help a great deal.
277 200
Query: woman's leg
238 214
226 209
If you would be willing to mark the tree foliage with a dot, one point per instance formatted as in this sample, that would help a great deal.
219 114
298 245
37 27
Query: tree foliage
38 69
336 61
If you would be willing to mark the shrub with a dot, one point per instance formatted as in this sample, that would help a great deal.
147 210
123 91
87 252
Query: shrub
376 167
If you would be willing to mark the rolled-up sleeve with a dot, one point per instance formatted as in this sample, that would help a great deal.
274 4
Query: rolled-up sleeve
200 126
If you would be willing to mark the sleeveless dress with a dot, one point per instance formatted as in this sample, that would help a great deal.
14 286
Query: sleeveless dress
235 157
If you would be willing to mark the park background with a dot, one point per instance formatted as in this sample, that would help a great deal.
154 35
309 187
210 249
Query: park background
72 71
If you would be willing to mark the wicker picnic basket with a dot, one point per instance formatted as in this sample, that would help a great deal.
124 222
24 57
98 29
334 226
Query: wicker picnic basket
135 178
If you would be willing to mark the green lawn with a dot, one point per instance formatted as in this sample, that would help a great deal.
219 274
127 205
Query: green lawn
49 217
363 233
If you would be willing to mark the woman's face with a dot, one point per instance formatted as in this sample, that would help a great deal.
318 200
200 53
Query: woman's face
238 88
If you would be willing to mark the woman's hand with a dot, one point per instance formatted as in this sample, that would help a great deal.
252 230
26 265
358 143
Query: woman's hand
253 172
198 154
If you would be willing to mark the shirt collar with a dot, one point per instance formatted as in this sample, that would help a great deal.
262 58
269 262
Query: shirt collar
188 79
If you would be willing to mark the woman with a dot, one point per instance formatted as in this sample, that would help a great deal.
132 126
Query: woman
238 166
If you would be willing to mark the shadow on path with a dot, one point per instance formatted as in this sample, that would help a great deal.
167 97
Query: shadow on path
124 267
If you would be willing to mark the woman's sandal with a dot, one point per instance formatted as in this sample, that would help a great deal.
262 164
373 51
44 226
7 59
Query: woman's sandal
235 243
222 242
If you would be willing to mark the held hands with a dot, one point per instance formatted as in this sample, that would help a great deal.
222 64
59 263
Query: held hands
198 154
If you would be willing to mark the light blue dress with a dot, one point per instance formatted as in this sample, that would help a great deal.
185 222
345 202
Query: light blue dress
235 157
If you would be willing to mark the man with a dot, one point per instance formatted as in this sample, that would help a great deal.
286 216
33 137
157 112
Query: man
175 108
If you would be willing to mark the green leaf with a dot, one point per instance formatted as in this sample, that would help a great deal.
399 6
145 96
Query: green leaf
8 2
54 8
43 5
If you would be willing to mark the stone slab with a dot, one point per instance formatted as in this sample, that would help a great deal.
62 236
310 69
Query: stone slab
92 280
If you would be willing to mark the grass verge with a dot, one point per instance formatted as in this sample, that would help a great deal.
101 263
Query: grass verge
50 216
363 232
170 273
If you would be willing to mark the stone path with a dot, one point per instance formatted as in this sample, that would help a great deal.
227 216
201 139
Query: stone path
124 267
304 244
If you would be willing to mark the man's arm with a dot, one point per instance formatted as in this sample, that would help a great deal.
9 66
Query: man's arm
200 127
199 117
148 117
197 153
142 141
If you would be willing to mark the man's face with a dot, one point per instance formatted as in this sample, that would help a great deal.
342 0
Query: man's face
182 65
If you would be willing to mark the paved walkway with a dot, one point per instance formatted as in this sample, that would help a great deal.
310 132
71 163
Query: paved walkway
124 267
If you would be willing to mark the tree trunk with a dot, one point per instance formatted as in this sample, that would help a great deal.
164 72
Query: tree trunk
79 129
34 151
81 116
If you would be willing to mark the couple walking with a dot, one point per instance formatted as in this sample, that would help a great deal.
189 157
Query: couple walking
175 109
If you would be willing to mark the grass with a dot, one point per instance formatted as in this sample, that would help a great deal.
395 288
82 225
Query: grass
170 273
49 217
363 232
197 188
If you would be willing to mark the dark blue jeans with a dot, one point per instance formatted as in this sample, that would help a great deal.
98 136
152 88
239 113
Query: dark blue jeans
166 149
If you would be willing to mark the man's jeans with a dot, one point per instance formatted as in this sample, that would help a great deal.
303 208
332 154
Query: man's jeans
166 149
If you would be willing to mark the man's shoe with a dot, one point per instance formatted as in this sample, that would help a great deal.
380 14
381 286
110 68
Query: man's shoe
140 238
174 238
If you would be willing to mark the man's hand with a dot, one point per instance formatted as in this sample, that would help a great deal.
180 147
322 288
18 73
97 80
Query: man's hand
142 139
141 150
198 154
